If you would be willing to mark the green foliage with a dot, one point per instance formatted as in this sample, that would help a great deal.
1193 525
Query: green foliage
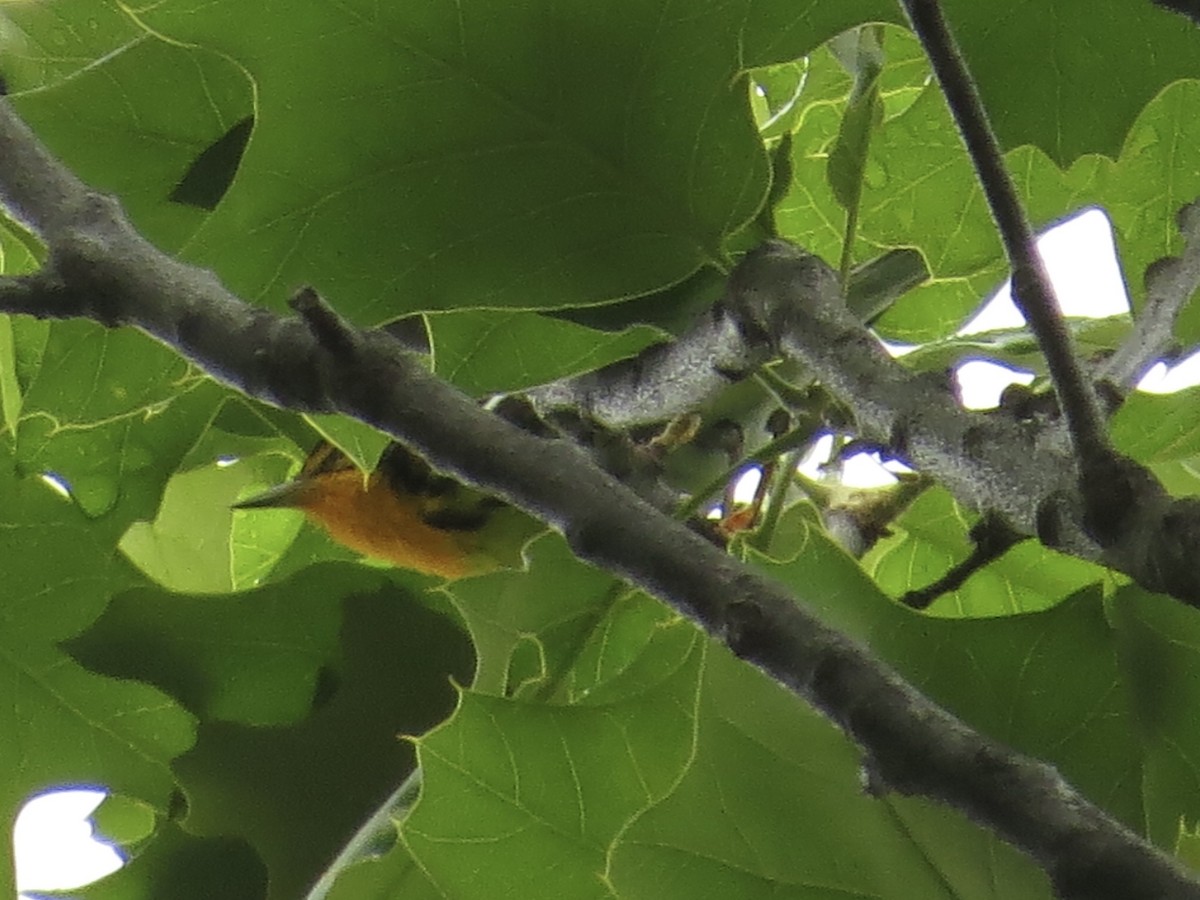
487 351
555 185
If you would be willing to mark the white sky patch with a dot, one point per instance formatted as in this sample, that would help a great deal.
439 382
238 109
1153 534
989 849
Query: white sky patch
817 456
860 470
981 382
864 470
1163 380
53 842
1082 262
743 491
1081 259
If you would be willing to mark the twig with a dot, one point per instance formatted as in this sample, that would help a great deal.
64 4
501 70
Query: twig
992 539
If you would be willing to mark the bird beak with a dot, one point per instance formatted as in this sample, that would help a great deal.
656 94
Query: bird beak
288 494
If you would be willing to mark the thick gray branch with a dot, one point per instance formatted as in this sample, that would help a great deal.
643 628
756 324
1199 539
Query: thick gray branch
1025 472
665 380
104 270
1170 283
670 379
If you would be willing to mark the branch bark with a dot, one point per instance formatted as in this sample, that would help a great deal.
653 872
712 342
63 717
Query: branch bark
1170 283
101 268
1124 508
1032 291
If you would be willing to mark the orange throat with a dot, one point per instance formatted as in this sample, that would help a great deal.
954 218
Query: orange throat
376 522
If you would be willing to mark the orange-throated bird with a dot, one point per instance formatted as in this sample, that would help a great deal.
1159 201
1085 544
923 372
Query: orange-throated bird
404 512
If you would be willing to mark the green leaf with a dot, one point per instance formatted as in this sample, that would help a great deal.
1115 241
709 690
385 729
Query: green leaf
186 868
555 608
504 809
10 387
254 657
848 157
134 123
123 821
1159 428
111 413
1158 646
189 546
811 213
21 252
42 46
296 793
1143 204
1187 847
485 352
551 126
776 98
1048 684
1017 347
826 579
771 805
60 723
532 173
930 537
395 874
526 163
358 440
1057 111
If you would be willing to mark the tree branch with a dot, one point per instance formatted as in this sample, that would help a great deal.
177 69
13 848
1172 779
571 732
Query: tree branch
102 269
1021 471
1124 508
664 380
991 537
1170 283
1032 291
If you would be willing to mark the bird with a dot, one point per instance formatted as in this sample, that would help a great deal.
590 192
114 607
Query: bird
404 513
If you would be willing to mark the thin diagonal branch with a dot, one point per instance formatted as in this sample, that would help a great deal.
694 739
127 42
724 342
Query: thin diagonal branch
1032 291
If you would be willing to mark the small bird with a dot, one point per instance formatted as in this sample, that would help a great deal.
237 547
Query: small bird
404 512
